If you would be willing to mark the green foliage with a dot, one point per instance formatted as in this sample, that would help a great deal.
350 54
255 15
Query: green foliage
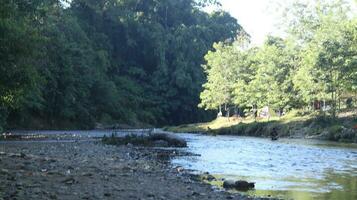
315 66
127 62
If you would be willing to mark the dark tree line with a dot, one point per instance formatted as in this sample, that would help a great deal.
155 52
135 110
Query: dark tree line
71 65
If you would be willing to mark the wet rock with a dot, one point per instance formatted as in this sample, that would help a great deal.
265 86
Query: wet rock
238 185
208 177
180 169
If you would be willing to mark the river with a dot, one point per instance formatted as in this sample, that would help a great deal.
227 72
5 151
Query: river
287 168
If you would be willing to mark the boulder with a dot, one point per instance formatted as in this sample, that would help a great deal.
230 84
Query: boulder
160 143
238 185
171 139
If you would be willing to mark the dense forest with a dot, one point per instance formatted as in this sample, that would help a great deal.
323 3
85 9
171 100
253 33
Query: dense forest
73 64
313 68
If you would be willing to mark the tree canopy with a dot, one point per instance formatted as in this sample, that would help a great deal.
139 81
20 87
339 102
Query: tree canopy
315 63
105 61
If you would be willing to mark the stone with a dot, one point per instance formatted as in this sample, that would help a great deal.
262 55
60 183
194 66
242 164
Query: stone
180 169
171 139
229 197
4 171
17 155
151 195
238 185
69 181
208 177
195 193
160 143
87 174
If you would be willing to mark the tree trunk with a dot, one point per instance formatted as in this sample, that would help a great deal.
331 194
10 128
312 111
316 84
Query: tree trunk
219 114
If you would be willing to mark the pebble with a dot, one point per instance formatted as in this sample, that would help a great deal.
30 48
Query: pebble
4 171
69 181
195 193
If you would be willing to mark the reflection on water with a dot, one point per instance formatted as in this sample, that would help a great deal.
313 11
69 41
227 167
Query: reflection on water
290 169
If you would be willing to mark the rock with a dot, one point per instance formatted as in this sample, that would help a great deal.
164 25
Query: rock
180 169
195 193
17 155
18 185
238 185
4 171
53 196
69 181
229 197
151 195
208 177
171 139
87 174
160 143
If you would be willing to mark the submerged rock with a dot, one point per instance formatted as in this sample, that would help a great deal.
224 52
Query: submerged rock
238 185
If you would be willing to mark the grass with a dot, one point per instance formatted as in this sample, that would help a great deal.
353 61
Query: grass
296 123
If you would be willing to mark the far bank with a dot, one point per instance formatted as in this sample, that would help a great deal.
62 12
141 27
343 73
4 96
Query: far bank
295 124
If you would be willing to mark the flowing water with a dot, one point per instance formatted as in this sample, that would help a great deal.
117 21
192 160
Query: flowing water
287 168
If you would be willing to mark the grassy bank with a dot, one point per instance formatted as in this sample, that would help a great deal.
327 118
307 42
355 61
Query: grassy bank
295 124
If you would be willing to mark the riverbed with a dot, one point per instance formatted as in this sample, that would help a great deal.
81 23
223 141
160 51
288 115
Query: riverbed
77 165
287 168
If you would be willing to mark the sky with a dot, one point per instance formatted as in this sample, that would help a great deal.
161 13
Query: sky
256 16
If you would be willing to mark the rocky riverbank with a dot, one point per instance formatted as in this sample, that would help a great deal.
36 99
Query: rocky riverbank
88 169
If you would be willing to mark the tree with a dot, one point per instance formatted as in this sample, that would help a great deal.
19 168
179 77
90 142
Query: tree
84 62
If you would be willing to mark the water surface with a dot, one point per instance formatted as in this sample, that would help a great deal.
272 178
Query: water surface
287 168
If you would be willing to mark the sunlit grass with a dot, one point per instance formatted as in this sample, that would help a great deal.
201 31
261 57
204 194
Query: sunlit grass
296 123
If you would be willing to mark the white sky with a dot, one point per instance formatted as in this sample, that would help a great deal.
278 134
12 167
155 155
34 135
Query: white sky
257 16
254 16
